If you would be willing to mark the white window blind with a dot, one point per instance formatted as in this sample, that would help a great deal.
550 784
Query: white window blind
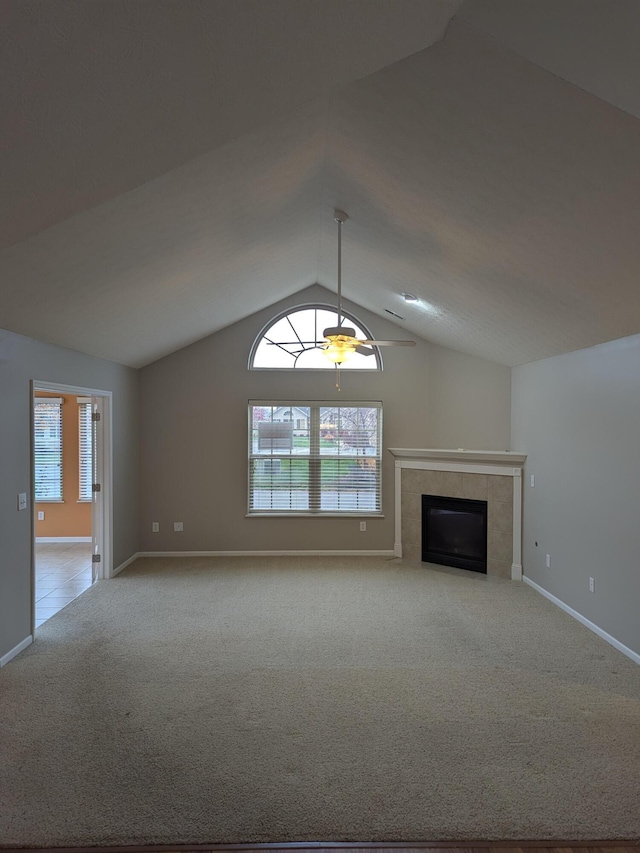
315 457
85 450
47 434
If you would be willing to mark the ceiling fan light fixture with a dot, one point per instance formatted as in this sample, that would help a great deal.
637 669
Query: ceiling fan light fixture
338 348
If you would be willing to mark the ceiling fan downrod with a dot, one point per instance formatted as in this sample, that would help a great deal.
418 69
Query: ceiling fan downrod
340 217
336 333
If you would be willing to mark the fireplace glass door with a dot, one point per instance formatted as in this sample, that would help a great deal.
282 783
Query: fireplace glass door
454 532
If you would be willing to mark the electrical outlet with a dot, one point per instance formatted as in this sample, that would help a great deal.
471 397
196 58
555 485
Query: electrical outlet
155 527
548 560
178 527
363 527
533 480
41 515
592 584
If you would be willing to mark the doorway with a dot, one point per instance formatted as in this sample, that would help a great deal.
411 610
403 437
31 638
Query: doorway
71 494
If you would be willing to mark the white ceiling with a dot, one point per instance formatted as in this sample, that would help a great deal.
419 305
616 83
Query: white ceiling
99 97
180 172
592 43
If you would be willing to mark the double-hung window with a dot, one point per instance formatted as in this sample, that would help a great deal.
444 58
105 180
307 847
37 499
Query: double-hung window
47 435
314 458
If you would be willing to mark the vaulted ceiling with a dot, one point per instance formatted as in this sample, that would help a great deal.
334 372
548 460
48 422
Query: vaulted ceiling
169 168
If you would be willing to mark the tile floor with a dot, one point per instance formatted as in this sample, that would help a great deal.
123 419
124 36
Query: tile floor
63 572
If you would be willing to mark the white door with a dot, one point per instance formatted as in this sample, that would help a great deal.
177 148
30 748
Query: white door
97 492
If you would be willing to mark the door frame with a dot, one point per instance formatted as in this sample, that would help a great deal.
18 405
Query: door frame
103 513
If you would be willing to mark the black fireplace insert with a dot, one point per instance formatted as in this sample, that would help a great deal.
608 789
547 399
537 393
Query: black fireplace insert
454 532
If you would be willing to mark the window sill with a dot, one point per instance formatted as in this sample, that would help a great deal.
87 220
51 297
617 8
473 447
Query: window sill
318 369
280 514
49 501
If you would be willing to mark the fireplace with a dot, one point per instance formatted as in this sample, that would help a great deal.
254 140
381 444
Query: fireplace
454 532
494 476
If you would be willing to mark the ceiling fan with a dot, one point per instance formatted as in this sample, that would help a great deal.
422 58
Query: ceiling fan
340 342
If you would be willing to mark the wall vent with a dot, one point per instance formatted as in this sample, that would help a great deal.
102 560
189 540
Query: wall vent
393 314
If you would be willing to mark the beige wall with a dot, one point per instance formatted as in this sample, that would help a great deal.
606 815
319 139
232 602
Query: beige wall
194 428
71 517
470 401
577 416
22 360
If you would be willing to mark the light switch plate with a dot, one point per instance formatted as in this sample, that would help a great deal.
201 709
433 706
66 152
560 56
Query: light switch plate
22 500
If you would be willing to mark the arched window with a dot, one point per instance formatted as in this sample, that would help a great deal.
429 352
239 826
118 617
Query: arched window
294 339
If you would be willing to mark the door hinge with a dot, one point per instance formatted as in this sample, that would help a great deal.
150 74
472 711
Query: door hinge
96 487
95 416
96 558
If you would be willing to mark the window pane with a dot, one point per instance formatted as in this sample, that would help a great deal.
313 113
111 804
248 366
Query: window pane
85 450
312 359
281 484
48 450
305 325
349 430
350 485
268 355
280 430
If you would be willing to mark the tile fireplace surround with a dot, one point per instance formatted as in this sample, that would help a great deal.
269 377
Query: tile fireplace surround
487 475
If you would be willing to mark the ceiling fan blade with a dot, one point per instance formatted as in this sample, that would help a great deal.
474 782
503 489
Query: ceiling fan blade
362 346
389 343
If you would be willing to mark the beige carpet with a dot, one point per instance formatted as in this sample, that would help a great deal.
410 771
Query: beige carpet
229 700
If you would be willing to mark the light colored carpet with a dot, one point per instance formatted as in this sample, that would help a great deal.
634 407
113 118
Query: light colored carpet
249 700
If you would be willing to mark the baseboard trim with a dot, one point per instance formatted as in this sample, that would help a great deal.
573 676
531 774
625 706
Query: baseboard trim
53 539
386 553
16 650
125 564
510 845
635 657
135 556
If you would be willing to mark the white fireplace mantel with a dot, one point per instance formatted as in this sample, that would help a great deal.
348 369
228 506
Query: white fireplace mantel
499 457
503 463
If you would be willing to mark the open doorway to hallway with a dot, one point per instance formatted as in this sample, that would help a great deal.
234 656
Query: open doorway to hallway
71 489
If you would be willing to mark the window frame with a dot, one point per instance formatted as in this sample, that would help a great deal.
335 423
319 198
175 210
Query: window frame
315 459
347 318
